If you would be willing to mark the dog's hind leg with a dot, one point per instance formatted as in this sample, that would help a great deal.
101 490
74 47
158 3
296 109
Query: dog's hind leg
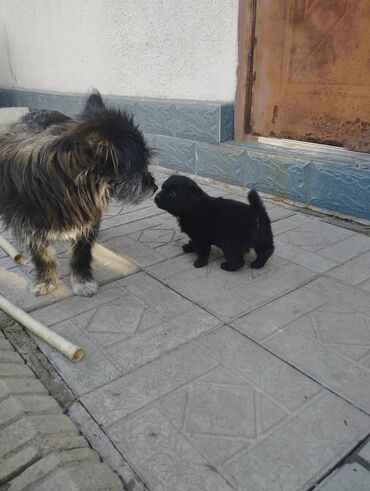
202 250
189 247
82 279
262 256
234 259
46 268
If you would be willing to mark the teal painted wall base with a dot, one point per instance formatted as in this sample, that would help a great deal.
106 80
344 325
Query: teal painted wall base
196 137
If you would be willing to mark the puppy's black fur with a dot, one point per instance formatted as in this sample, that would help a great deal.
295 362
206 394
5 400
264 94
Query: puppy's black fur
232 226
57 175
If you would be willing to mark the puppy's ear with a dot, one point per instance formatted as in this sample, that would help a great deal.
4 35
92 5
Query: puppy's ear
94 104
195 193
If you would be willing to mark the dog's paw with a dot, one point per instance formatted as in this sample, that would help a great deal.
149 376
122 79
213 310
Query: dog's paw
189 247
257 264
44 287
227 266
199 263
84 288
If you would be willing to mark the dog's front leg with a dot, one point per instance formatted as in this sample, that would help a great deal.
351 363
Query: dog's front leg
82 279
202 250
189 247
46 268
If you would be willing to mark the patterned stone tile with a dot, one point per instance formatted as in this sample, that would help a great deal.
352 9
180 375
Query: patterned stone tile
146 384
347 249
16 285
324 331
274 316
350 477
228 295
126 229
230 418
132 216
355 271
151 341
303 257
133 251
107 265
142 321
297 454
95 370
163 457
314 235
290 223
74 306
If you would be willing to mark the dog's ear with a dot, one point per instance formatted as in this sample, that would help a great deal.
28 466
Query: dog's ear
94 104
195 193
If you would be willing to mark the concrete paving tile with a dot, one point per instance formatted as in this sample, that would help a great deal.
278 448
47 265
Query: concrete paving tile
178 264
228 295
365 286
16 286
319 361
349 477
160 338
364 453
102 444
315 235
276 315
347 249
303 257
329 342
95 370
274 378
71 307
355 271
290 223
156 295
126 229
299 452
132 216
279 212
134 251
131 392
107 265
164 459
251 418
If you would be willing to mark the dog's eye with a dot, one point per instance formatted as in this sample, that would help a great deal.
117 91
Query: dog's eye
172 194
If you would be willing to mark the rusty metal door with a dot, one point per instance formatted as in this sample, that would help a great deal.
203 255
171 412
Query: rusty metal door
311 71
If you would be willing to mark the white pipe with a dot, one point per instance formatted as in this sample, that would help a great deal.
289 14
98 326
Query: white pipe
73 352
12 251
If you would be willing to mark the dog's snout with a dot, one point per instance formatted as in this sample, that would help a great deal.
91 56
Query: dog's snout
155 188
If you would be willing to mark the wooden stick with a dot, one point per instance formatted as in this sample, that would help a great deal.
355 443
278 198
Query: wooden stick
73 352
12 251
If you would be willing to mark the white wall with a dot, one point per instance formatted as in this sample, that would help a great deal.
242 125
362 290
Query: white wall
152 48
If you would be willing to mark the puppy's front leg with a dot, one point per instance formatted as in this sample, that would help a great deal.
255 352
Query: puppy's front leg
46 268
189 247
202 250
82 279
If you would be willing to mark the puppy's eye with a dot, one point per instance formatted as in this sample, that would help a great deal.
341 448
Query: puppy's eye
172 194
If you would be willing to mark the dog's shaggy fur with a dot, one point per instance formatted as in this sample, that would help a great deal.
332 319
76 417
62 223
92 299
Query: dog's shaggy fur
232 226
56 177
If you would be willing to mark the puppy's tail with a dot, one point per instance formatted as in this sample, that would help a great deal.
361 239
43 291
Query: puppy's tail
255 201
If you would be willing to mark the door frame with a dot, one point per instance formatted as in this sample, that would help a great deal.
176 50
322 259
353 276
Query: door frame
244 82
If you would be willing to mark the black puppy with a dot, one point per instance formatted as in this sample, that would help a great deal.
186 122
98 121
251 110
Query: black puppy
232 226
56 177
